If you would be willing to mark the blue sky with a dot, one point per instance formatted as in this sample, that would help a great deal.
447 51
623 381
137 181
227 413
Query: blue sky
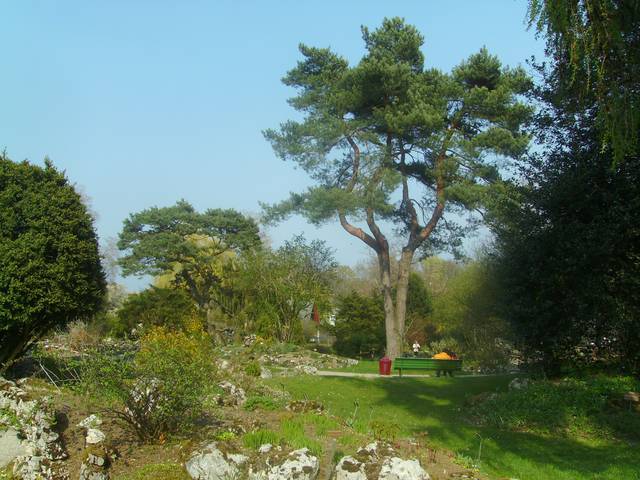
146 102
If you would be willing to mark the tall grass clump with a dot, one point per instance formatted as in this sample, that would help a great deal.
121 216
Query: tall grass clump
253 440
292 432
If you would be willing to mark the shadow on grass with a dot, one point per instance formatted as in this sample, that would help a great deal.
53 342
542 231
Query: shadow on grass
437 407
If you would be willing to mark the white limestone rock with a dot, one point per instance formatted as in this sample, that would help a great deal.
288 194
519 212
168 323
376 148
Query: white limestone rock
349 468
32 421
236 395
378 460
213 464
399 469
266 448
94 436
299 465
11 447
95 467
92 421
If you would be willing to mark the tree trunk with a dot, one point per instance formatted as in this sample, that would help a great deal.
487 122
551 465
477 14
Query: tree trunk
394 347
404 269
395 309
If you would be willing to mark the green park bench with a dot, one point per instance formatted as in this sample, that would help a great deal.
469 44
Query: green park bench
417 363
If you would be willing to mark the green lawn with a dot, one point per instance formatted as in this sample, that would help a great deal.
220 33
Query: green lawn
436 405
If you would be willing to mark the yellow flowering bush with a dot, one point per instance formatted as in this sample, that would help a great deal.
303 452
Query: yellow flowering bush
173 371
162 388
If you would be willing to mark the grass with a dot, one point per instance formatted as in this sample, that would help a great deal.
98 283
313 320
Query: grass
437 406
590 408
261 402
253 440
291 432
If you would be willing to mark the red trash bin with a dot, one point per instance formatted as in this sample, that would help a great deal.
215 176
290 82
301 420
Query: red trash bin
384 366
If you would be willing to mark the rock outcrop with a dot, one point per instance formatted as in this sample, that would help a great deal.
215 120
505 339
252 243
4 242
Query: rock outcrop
379 461
299 465
33 421
95 465
212 464
233 395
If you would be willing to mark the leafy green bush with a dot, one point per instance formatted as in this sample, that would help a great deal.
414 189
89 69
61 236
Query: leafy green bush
252 369
447 343
359 327
165 307
50 271
163 389
570 407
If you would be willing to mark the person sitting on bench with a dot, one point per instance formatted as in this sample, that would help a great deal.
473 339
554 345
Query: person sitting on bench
445 355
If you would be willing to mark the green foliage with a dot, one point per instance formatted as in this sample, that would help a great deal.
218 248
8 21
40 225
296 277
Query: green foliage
445 343
468 313
252 368
155 307
419 325
389 97
359 328
225 436
573 407
261 402
283 284
568 256
192 249
50 271
596 52
163 389
387 139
